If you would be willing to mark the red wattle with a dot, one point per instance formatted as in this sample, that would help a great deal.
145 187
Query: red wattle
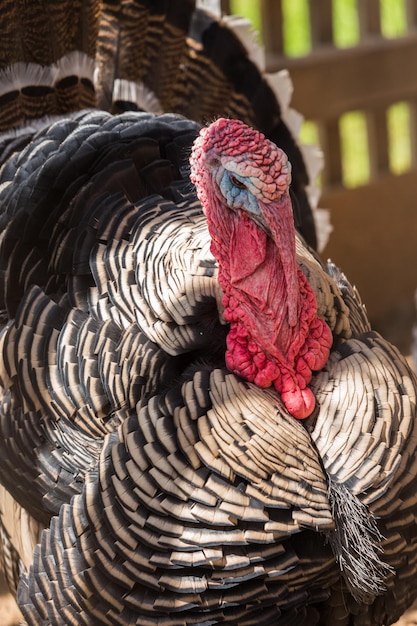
299 403
275 335
245 357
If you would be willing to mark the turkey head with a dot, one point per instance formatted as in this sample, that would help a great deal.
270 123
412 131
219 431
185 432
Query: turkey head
275 338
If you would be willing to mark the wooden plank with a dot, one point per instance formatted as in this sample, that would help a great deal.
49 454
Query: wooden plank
321 20
411 13
329 139
329 83
369 18
272 26
377 130
374 243
412 107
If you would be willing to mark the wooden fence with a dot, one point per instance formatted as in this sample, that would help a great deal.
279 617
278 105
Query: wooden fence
375 225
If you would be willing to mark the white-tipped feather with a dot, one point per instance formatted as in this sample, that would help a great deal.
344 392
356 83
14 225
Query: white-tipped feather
20 75
324 227
294 120
75 63
314 158
211 6
247 34
138 93
282 86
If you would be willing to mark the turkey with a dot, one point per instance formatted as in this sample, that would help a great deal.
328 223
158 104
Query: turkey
198 424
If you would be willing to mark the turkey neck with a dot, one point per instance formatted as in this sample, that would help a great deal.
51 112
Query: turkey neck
265 294
275 336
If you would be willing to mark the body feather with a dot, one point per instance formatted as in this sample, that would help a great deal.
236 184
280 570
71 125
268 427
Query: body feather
141 480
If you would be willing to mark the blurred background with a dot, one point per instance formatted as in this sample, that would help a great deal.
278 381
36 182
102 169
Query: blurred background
353 67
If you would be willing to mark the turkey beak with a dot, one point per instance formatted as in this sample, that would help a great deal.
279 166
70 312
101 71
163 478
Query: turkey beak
260 221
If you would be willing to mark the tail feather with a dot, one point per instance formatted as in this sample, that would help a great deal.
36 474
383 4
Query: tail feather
143 43
47 52
42 32
35 91
223 78
220 78
152 55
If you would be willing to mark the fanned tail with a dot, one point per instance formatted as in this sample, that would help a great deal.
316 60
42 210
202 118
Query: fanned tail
47 52
155 58
152 55
141 47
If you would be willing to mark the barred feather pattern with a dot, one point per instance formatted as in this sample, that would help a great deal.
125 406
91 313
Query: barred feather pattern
43 32
11 565
47 53
89 353
374 426
203 502
148 56
198 535
172 492
79 348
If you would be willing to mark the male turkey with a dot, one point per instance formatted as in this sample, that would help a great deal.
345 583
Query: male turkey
193 407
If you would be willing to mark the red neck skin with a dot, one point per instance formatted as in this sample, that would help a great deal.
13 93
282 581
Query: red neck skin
276 338
275 335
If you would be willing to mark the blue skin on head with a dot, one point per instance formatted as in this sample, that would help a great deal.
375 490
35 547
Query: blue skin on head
234 189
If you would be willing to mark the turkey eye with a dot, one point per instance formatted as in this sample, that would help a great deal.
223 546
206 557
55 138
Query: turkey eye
236 182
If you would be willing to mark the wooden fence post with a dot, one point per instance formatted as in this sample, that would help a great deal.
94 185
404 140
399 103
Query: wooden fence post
321 20
369 18
272 26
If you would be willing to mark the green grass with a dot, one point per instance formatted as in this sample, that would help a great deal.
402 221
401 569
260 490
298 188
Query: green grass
297 42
